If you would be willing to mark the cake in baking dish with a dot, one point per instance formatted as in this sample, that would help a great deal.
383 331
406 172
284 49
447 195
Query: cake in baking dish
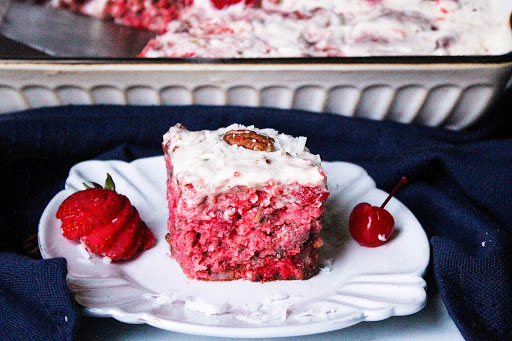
244 203
327 28
303 28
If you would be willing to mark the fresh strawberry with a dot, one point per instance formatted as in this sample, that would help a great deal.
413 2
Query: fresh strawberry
220 4
103 206
99 240
129 241
148 238
105 222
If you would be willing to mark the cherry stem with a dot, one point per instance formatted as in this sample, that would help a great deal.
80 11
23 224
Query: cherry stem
402 182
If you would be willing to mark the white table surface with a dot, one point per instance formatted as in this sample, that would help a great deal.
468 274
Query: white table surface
431 323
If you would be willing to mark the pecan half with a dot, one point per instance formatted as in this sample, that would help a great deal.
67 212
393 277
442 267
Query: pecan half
250 140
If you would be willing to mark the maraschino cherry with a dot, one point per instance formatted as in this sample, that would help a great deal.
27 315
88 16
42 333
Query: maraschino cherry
371 226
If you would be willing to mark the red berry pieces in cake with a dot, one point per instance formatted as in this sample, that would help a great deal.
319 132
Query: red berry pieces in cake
105 222
220 4
372 226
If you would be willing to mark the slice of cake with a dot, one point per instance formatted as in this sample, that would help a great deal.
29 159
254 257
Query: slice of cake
244 203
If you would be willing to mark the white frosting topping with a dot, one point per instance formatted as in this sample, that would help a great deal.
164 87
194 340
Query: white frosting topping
294 28
204 158
96 8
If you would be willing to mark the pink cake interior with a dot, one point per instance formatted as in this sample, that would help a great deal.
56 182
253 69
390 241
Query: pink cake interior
265 238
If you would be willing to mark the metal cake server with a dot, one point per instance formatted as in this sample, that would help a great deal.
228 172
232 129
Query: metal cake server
60 33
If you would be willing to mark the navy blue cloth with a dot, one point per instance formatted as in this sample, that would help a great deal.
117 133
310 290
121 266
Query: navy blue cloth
460 184
34 300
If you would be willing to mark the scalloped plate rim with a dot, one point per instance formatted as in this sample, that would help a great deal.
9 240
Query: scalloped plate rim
252 331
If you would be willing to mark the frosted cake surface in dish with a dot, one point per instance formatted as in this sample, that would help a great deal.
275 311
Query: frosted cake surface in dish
311 28
320 28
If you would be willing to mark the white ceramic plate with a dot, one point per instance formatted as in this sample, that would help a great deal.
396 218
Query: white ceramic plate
356 283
